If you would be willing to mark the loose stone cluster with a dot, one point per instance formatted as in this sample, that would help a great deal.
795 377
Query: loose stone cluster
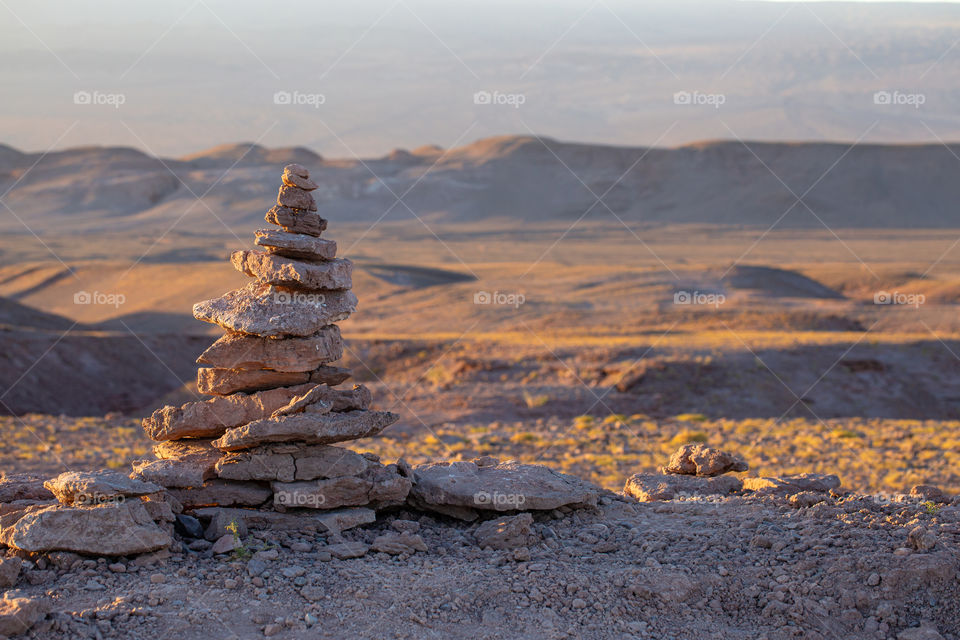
265 437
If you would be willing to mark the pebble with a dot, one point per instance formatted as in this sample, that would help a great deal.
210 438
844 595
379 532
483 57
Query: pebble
158 578
873 580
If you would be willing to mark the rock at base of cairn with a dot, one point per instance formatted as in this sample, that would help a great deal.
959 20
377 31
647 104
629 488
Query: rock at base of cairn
496 486
379 487
110 529
89 488
290 462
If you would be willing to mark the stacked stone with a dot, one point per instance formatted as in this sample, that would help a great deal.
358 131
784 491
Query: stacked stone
264 438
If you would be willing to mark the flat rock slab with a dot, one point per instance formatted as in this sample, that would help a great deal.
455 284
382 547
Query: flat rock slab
269 268
223 493
111 529
293 520
291 462
224 382
296 221
650 487
505 486
192 466
266 310
704 461
23 486
820 482
210 419
307 428
378 487
240 351
296 245
19 614
86 488
296 198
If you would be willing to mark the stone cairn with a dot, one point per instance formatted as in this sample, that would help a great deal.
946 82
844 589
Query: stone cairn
260 453
265 437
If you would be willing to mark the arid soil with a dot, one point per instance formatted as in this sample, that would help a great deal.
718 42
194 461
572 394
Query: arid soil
737 568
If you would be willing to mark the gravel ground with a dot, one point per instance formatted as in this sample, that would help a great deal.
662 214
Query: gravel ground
744 567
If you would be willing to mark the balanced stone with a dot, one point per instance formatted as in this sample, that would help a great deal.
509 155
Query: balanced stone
84 487
505 486
379 487
296 245
211 418
292 179
307 427
290 462
266 310
295 221
110 529
240 351
223 382
296 198
269 268
223 493
297 170
701 460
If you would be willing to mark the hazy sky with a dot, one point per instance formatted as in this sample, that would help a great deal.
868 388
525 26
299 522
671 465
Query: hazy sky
364 77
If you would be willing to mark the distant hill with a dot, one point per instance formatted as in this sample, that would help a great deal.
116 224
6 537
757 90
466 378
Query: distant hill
514 178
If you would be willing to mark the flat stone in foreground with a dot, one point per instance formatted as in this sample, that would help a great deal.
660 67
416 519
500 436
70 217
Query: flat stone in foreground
296 245
111 529
270 268
308 428
267 310
240 351
224 382
93 487
492 486
650 487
